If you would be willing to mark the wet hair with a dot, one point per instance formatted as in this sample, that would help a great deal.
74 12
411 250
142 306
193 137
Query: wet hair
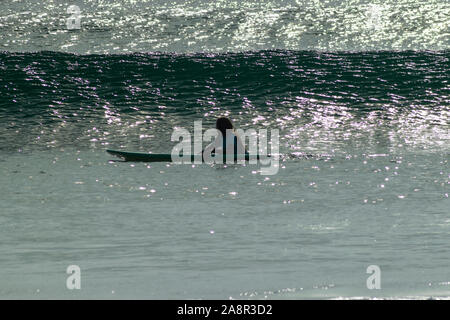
222 124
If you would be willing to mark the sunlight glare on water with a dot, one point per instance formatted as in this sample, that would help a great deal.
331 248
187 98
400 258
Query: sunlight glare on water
226 26
358 89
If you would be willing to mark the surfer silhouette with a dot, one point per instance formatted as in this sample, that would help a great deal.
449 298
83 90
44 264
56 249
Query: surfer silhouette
227 141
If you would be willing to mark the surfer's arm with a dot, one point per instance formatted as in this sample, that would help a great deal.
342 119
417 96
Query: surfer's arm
241 145
210 148
214 146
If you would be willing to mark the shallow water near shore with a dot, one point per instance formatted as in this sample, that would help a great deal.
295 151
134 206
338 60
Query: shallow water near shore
176 231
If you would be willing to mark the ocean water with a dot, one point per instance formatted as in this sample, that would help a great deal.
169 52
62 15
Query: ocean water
359 91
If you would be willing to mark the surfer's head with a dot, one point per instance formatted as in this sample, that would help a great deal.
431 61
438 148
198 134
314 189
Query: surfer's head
222 124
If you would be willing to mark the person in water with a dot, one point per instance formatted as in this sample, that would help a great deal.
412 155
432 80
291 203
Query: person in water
227 141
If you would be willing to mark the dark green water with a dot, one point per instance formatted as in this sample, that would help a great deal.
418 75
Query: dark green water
54 99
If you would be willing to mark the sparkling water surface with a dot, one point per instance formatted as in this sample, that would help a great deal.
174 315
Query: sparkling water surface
166 230
359 91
